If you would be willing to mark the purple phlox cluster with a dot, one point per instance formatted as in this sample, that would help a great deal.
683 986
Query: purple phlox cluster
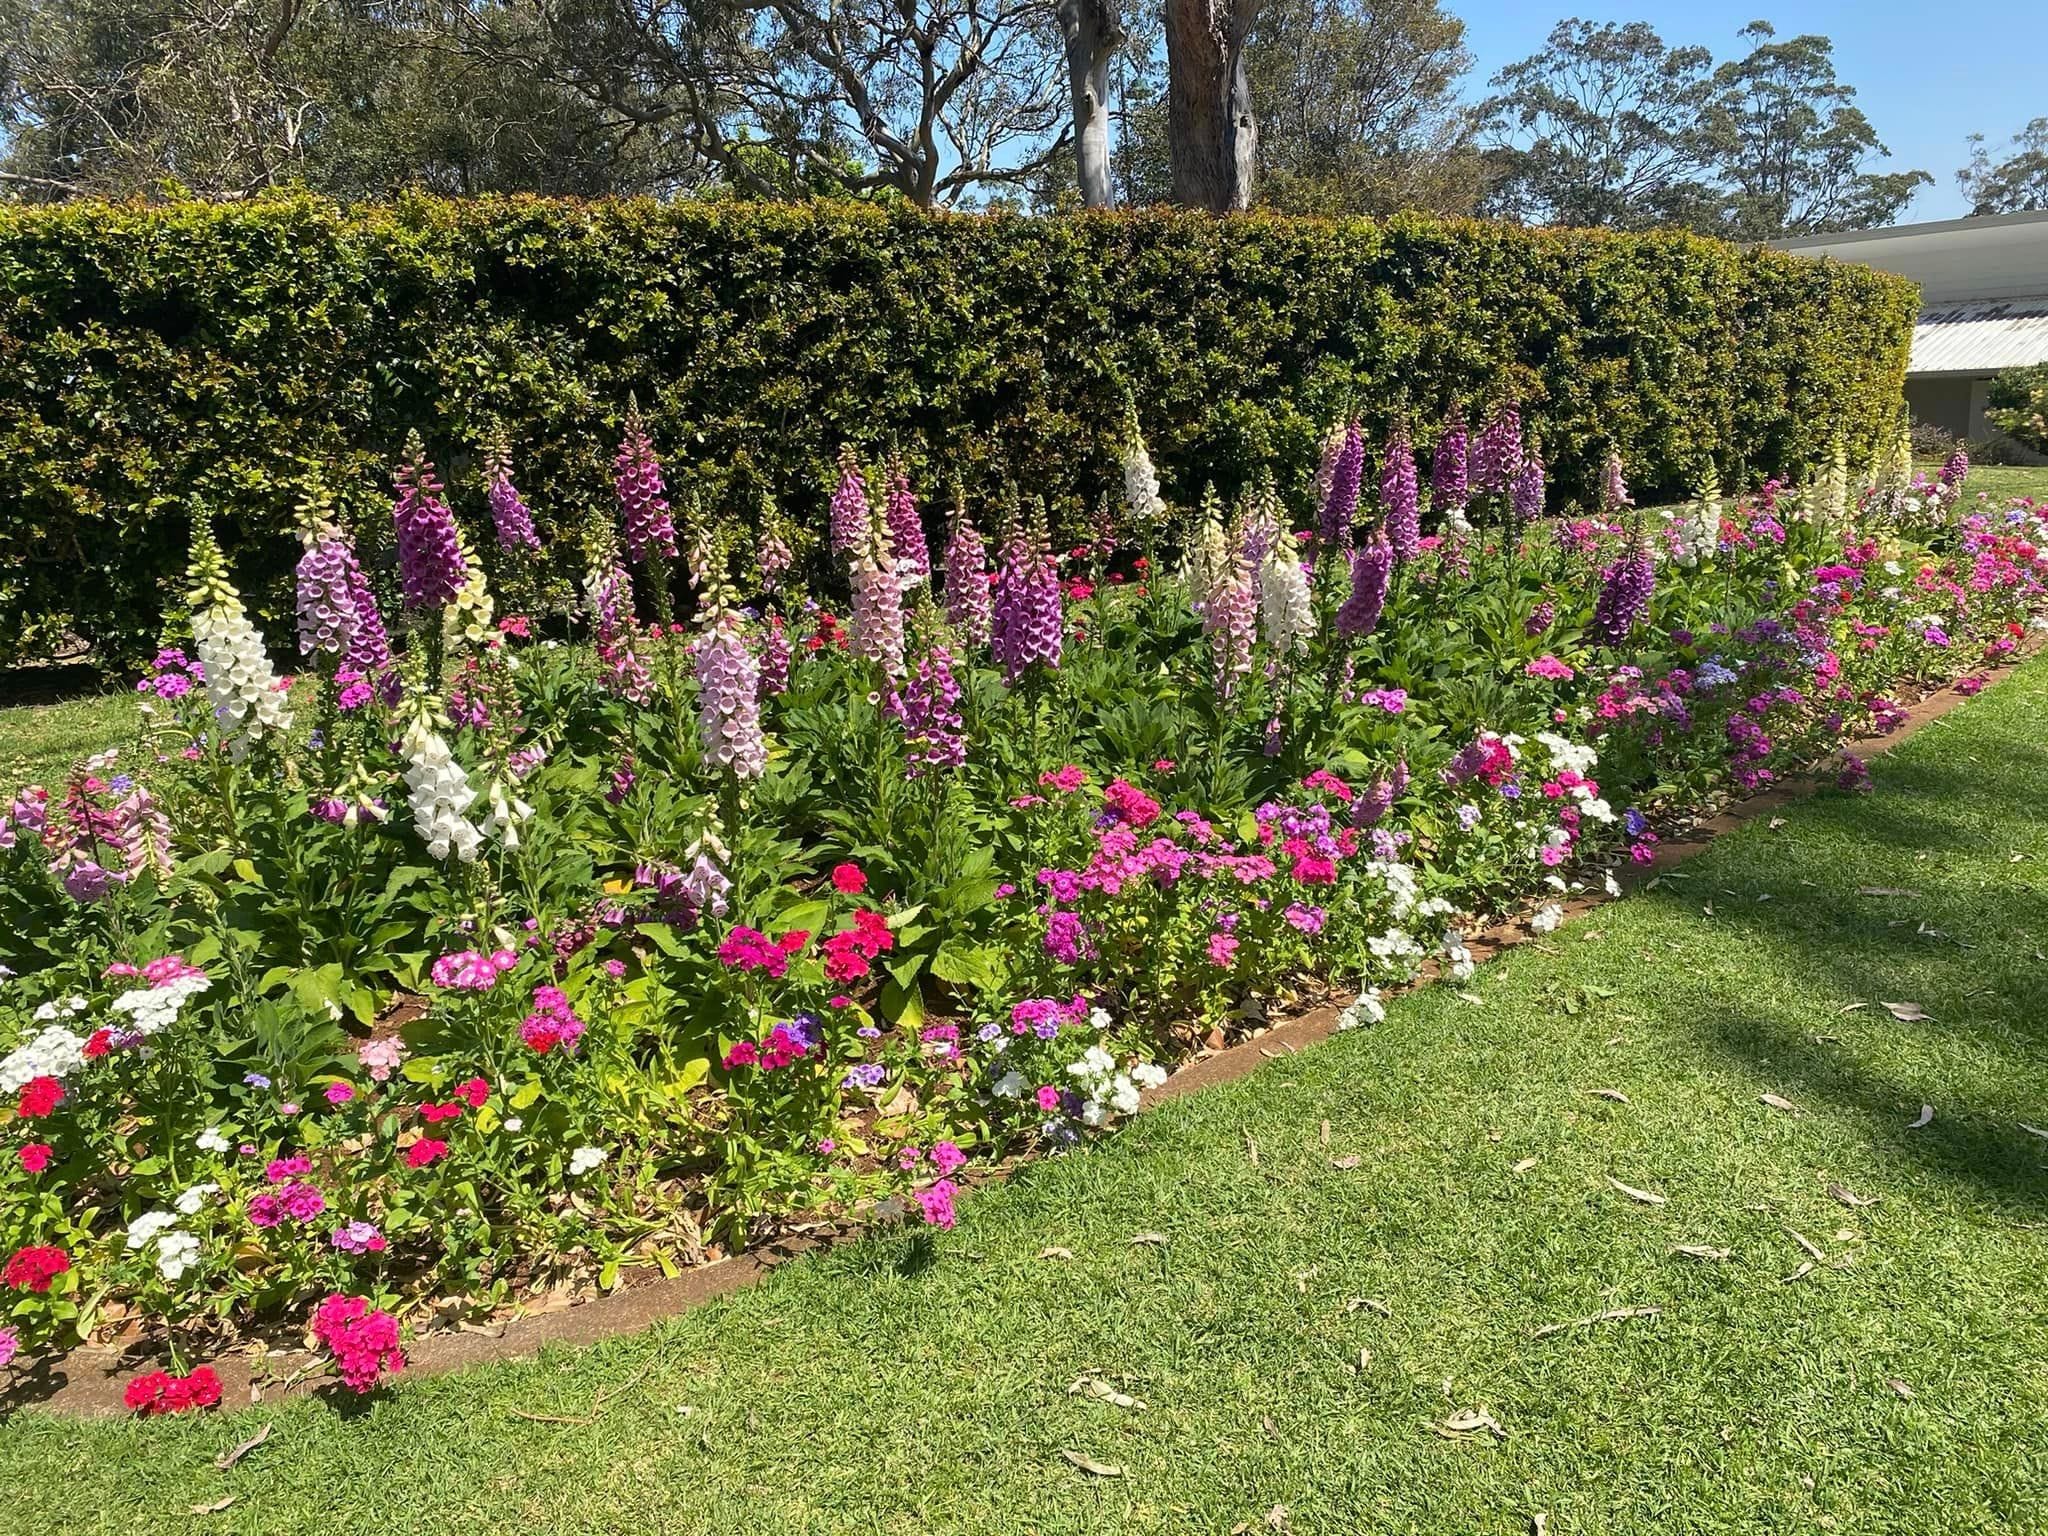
1401 495
968 598
1025 626
1496 459
430 564
906 528
729 700
326 596
1372 569
510 518
878 603
643 498
1448 490
929 707
851 515
1340 506
1625 591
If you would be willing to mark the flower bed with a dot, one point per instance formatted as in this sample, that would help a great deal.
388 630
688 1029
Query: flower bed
498 955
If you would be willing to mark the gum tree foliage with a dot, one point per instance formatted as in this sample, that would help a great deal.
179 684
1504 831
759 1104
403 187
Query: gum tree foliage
2015 184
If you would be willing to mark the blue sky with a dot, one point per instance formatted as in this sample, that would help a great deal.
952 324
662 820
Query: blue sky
1927 76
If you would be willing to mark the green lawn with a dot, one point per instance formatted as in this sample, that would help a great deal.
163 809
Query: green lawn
910 1386
40 742
2001 481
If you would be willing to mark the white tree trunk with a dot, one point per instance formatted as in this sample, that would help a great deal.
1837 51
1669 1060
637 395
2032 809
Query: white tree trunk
1092 33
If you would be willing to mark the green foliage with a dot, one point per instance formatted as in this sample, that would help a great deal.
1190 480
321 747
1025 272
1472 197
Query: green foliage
243 359
2018 405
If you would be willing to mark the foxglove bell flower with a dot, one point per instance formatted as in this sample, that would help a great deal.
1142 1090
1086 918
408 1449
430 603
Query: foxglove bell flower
851 515
440 793
1142 507
1525 496
1497 452
1229 617
1340 505
1614 489
906 529
729 700
1625 591
776 656
878 604
326 599
510 517
929 707
430 564
1448 490
1025 625
1401 496
1372 569
1287 612
369 643
1327 454
967 586
643 500
246 697
145 834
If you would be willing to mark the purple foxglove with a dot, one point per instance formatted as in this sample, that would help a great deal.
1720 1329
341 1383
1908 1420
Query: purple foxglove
1613 489
967 586
851 515
1525 496
326 599
510 518
1401 495
1448 491
1025 624
1497 452
1372 568
145 833
1957 469
776 657
643 498
906 529
1230 618
929 707
1340 506
369 644
1331 449
430 564
1625 591
729 700
1541 617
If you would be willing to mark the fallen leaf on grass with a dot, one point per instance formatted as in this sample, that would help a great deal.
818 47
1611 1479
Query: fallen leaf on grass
1524 1165
1370 1304
1850 1198
1908 1013
1885 890
1149 1239
1773 1101
1899 1387
229 1457
1468 1421
1347 1162
2032 1130
1926 1118
215 1507
1055 1253
1091 1466
1812 1248
1098 1390
1800 1273
1615 1315
1704 1253
1251 1149
1609 1093
1775 823
1472 998
1852 1007
1642 1196
1539 1523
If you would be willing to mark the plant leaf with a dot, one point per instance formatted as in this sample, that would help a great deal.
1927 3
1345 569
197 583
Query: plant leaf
1091 1466
1642 1196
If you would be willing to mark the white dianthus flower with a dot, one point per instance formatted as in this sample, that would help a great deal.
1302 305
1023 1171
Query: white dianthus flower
56 1052
148 1226
1148 1074
1546 918
211 1140
190 1202
1367 1009
583 1159
1010 1085
176 1252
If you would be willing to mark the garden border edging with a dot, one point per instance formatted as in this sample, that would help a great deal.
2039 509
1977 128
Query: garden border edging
87 1381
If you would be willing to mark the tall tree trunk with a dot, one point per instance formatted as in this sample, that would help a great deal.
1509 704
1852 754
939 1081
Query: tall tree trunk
1093 34
1211 134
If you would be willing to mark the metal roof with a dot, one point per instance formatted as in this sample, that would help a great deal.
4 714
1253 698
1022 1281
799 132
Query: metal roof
1980 336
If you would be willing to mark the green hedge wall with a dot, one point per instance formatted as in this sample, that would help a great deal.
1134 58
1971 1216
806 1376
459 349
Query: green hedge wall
249 357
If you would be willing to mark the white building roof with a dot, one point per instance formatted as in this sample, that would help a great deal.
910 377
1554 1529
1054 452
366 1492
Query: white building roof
1981 336
1983 286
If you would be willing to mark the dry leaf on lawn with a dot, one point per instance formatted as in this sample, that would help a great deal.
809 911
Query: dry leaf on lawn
1850 1198
1369 1304
1885 890
1926 1118
228 1458
1055 1253
1098 1390
1805 1269
1704 1253
1909 1013
1773 1101
1899 1387
1349 1161
1467 1421
1643 1196
1524 1165
1615 1315
1151 1239
1609 1093
2032 1130
1812 1248
1091 1466
215 1507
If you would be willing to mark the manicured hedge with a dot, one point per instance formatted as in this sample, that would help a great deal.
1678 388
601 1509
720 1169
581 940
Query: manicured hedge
252 357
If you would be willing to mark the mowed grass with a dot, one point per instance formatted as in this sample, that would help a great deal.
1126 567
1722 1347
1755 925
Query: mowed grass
39 743
2000 481
1308 1327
